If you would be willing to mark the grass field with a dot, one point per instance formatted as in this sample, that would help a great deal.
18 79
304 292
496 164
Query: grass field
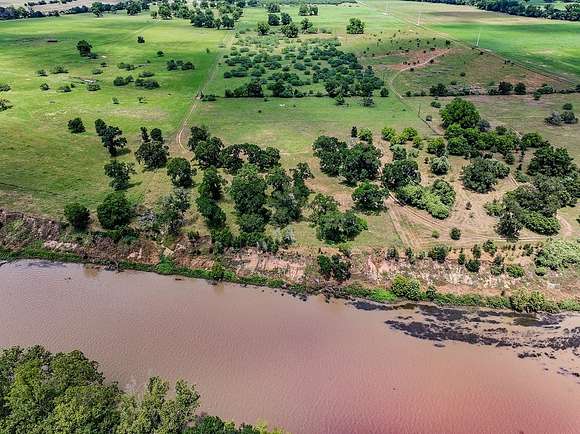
549 46
44 166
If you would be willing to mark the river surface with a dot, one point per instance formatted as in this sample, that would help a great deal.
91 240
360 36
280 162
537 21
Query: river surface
309 366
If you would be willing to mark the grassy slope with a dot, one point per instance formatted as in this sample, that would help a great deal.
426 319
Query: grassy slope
46 166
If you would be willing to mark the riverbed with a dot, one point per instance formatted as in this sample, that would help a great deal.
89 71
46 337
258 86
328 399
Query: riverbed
307 365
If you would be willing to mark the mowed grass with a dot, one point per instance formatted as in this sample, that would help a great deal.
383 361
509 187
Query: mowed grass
43 165
548 45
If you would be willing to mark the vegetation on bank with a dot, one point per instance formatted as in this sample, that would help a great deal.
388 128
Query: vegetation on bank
402 287
42 392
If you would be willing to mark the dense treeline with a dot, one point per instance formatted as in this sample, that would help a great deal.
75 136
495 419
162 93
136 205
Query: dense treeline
41 392
571 11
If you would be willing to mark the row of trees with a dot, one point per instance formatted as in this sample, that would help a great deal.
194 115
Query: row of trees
571 11
98 8
43 392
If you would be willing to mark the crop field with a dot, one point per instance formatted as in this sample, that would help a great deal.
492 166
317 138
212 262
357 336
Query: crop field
44 166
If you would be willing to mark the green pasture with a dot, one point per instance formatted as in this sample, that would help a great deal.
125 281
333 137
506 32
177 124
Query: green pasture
43 165
548 45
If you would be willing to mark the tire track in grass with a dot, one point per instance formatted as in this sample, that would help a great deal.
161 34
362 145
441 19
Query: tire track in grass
181 134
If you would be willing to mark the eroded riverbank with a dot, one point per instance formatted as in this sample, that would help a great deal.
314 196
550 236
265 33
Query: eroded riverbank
311 366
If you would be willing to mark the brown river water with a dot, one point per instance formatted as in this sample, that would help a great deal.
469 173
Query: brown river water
309 366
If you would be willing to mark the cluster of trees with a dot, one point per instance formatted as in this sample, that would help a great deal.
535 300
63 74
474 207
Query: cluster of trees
332 225
360 162
43 392
229 14
174 65
566 117
152 152
111 137
307 10
506 88
262 192
555 184
344 76
571 11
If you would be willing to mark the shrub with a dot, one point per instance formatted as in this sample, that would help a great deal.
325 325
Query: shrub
473 265
388 133
438 253
439 165
115 211
515 270
557 254
489 247
522 301
407 287
334 267
77 215
455 234
76 126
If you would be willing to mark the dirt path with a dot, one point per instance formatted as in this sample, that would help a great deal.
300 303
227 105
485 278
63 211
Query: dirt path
181 136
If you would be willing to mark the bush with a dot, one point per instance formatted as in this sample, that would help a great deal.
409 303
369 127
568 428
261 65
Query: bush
439 165
334 267
489 247
473 265
407 287
455 234
77 215
515 270
115 211
557 254
530 302
355 26
438 253
76 126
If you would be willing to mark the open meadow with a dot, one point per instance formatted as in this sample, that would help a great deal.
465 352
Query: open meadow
44 166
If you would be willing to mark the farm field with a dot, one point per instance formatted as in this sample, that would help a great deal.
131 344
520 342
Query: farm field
548 46
45 167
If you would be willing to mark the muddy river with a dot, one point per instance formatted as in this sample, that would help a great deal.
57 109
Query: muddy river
310 366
